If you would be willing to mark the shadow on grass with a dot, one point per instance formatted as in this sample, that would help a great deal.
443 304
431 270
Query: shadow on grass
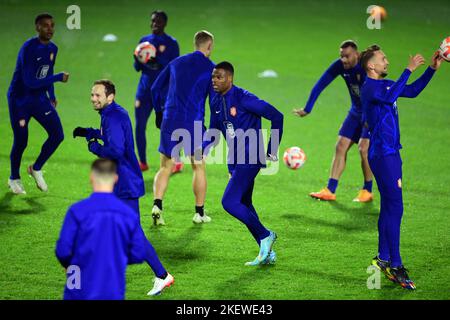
358 218
6 207
182 249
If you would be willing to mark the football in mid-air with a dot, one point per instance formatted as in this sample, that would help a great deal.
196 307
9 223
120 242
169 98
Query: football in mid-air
378 12
145 51
294 158
444 49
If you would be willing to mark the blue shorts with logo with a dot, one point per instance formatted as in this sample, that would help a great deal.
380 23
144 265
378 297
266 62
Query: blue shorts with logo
353 128
175 138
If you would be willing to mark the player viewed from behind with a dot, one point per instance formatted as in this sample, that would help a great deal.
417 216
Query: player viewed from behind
189 82
118 145
352 130
235 112
379 101
100 236
32 95
166 50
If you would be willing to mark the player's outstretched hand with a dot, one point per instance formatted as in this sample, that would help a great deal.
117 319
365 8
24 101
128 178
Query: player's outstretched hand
415 62
436 61
158 119
300 112
80 132
65 77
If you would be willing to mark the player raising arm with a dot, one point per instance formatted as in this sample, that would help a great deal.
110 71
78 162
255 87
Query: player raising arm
352 130
379 101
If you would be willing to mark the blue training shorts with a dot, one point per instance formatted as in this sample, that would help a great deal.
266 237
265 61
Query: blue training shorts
173 140
353 128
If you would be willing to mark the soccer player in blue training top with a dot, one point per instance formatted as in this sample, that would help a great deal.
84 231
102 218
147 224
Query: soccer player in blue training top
188 79
31 94
100 236
118 145
237 114
379 101
166 50
352 130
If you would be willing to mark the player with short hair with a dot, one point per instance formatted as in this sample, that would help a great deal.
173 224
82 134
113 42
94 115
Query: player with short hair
235 112
379 101
32 95
166 50
116 134
352 130
100 235
188 79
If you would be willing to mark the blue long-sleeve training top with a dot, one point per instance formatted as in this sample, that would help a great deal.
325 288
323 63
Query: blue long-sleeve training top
353 77
33 76
379 100
167 49
189 81
117 135
100 235
237 114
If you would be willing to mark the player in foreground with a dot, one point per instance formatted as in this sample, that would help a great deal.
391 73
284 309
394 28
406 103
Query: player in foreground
237 114
379 101
32 95
352 130
166 50
100 236
189 81
118 145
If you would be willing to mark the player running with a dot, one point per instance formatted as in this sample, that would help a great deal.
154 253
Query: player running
352 130
379 102
188 79
236 112
166 50
32 95
117 144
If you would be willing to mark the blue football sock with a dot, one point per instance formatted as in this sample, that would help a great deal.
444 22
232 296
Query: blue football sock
332 185
368 185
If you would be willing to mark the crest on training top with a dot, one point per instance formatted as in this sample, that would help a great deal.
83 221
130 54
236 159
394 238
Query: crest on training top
162 48
233 111
52 56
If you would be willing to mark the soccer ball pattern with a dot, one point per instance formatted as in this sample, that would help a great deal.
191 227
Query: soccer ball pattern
444 49
294 158
145 51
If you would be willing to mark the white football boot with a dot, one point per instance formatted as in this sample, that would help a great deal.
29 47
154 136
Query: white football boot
39 178
199 219
159 285
16 186
157 216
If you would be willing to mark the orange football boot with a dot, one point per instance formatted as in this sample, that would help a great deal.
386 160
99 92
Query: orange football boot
324 194
364 196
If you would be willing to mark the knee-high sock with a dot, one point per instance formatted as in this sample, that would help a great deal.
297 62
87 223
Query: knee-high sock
52 124
240 183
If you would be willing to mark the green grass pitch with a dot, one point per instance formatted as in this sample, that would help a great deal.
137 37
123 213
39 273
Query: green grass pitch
323 249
